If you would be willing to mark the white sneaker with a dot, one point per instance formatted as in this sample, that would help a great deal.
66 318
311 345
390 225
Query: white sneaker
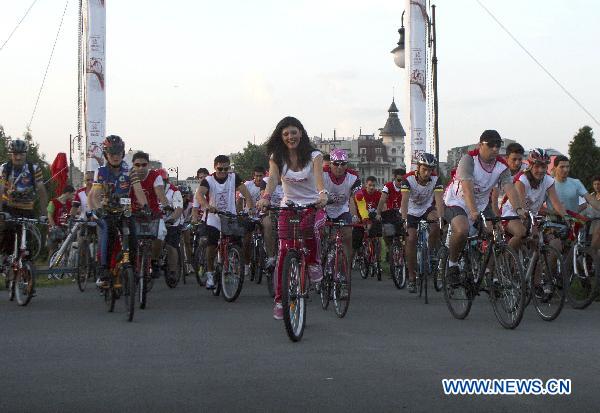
210 281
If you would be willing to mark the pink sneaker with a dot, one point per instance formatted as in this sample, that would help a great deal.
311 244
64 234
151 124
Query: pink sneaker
315 273
278 311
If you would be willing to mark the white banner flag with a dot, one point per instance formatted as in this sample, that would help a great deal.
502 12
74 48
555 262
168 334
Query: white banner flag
416 70
95 85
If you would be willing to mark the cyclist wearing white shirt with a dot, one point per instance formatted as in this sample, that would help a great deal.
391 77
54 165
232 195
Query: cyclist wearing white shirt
220 188
534 186
342 183
174 222
255 188
197 214
421 199
468 194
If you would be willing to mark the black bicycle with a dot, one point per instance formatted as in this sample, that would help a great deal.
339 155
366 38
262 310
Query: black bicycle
488 264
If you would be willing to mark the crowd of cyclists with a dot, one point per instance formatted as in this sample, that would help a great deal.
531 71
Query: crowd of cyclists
304 189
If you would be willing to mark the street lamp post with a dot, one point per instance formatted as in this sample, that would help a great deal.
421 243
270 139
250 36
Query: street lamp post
399 53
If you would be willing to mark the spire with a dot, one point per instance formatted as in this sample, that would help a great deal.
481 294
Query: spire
393 127
393 108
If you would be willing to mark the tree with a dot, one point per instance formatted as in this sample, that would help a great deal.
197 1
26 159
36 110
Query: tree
584 156
245 161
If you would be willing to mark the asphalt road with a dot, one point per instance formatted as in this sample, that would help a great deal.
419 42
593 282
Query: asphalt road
189 351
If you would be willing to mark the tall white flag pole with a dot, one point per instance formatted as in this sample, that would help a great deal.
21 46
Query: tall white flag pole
95 83
416 70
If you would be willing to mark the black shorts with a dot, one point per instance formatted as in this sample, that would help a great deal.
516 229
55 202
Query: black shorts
173 236
453 211
413 221
213 235
357 237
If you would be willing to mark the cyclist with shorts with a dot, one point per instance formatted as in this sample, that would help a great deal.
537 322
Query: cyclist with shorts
367 200
421 200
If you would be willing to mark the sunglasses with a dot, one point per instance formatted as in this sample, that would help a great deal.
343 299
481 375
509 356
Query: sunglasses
140 165
222 168
339 163
493 144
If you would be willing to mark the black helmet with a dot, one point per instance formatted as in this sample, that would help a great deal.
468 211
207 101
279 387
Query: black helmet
17 146
113 144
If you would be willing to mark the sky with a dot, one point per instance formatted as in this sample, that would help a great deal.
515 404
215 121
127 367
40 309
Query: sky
188 80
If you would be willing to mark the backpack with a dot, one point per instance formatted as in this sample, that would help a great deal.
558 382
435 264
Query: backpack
8 168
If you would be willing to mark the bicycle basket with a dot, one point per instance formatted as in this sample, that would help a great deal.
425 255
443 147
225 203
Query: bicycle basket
232 226
147 228
297 225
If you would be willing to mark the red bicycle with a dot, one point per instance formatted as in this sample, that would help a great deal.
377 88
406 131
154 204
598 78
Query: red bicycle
229 268
368 257
336 283
295 282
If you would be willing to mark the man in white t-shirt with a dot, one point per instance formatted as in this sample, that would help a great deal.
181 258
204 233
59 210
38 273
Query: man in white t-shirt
468 194
217 193
421 200
255 187
174 221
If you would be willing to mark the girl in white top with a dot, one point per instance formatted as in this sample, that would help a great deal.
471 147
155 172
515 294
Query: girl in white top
299 166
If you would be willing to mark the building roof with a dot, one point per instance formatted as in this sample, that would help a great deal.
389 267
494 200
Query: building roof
393 127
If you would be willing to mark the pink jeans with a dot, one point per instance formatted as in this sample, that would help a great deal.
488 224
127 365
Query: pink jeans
313 258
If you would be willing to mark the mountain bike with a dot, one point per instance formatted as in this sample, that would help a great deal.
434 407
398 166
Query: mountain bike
21 270
487 264
582 266
426 259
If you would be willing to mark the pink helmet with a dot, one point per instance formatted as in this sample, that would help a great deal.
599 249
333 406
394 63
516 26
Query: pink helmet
338 155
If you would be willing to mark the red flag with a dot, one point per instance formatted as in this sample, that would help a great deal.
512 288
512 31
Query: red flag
60 172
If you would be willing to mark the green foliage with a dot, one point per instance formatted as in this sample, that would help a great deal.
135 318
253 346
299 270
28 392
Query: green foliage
584 156
245 161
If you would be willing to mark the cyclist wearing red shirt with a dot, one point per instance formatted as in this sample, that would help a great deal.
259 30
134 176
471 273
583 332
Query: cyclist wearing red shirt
368 197
388 209
58 210
153 186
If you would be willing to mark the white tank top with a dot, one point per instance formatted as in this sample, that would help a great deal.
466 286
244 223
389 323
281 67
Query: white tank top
339 194
483 183
300 187
222 197
420 197
534 198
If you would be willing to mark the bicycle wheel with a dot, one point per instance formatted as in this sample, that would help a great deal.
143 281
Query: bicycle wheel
25 283
423 265
325 286
34 242
232 277
129 291
260 264
293 295
457 295
397 267
583 286
342 283
508 289
110 295
142 280
438 273
550 292
172 281
199 263
83 265
270 286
